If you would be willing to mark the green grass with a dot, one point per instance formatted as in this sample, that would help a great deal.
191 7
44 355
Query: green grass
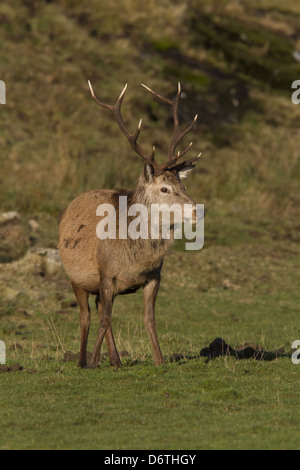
219 405
189 404
235 62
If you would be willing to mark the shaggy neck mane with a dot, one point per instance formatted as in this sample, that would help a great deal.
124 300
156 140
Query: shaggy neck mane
159 247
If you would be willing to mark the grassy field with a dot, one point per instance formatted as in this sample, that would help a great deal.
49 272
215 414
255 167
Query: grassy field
235 62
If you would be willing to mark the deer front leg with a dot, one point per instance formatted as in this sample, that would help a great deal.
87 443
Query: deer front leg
106 298
110 341
150 294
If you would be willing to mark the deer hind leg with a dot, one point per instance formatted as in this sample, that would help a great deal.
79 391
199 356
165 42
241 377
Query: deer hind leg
150 294
110 341
107 298
85 318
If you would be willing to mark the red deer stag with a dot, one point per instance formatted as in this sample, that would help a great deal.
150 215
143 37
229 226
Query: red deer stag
110 267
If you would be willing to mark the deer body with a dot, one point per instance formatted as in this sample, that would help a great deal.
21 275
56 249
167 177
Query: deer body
127 262
110 267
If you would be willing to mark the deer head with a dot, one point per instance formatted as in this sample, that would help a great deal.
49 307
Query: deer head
159 183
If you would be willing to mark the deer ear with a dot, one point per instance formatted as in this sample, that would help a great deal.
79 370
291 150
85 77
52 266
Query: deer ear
148 172
185 171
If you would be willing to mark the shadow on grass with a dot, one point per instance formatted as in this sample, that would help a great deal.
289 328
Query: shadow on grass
219 348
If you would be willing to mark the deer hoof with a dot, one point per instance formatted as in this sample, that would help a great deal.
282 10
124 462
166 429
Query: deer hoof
82 365
92 365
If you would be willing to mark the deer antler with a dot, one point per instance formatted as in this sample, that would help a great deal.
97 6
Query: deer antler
132 138
116 110
178 133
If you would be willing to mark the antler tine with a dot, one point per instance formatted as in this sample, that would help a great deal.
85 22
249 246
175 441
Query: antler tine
185 150
175 104
181 165
104 105
153 152
160 97
116 110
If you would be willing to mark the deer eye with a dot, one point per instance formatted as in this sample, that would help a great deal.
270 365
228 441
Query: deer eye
164 190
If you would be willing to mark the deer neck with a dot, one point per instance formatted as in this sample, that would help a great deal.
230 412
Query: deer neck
159 245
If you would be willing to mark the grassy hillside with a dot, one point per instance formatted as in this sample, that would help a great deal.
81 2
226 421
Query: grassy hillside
236 62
